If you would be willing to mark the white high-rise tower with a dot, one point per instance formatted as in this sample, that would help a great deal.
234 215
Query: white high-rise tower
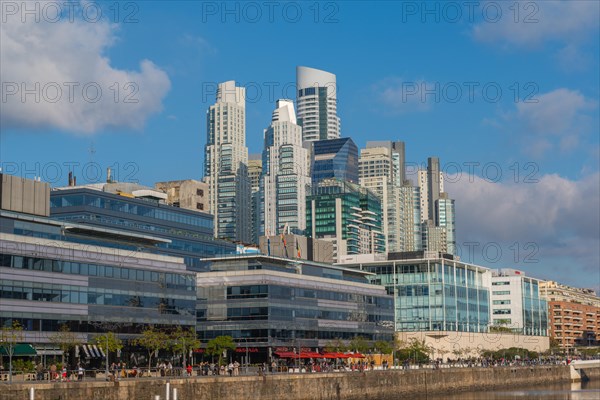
316 98
226 164
286 172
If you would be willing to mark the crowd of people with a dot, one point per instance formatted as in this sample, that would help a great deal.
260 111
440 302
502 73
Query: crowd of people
59 373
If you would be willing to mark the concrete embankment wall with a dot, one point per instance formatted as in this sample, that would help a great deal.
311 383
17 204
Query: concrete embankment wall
592 374
373 385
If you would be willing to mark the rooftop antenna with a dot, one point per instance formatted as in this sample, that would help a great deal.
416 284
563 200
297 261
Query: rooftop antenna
92 151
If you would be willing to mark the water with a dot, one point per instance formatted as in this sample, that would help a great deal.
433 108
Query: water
566 391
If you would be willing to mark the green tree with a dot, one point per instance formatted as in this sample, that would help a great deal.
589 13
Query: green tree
415 350
184 340
153 340
359 344
216 346
384 347
10 336
336 346
500 329
109 342
65 340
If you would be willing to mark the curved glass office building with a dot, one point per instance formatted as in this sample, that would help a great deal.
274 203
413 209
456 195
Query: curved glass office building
435 294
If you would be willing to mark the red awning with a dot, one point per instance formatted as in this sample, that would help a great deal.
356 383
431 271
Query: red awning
355 355
290 354
310 354
285 354
329 355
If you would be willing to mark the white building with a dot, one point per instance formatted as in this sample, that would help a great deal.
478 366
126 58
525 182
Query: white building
423 183
226 164
286 173
317 104
516 303
381 169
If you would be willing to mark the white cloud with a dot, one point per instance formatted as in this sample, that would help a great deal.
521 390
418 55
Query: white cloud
558 120
530 24
54 54
558 215
403 96
554 113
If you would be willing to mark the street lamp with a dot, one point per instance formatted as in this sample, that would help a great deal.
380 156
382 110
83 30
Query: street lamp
106 361
247 360
9 351
107 327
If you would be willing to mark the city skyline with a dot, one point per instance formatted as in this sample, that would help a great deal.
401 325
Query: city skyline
547 208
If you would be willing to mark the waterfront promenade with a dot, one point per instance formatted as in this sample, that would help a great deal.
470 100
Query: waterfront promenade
377 384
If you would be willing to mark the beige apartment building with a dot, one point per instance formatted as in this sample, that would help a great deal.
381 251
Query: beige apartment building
574 314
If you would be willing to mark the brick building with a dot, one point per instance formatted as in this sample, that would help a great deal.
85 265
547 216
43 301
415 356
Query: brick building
574 314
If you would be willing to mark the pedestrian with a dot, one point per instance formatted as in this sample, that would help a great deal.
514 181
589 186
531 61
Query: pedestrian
80 372
64 377
39 369
189 370
53 372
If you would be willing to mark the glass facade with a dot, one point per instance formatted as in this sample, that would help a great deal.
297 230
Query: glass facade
190 232
517 304
272 302
445 216
335 158
50 277
535 309
435 294
360 212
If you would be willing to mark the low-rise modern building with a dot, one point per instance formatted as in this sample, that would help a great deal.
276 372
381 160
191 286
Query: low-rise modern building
574 314
434 294
516 303
271 303
188 234
444 302
91 279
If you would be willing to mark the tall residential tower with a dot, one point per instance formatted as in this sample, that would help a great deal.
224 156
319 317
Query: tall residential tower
286 173
317 104
226 164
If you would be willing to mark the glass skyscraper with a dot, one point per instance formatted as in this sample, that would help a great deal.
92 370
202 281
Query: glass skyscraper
337 158
346 214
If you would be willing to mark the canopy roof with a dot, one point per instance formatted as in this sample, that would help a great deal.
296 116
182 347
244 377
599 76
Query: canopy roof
310 354
18 350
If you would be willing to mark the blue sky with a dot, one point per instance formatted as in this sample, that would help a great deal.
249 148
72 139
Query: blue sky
544 53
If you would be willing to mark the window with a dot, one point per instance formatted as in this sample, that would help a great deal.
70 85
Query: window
497 302
199 192
500 283
200 206
500 292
